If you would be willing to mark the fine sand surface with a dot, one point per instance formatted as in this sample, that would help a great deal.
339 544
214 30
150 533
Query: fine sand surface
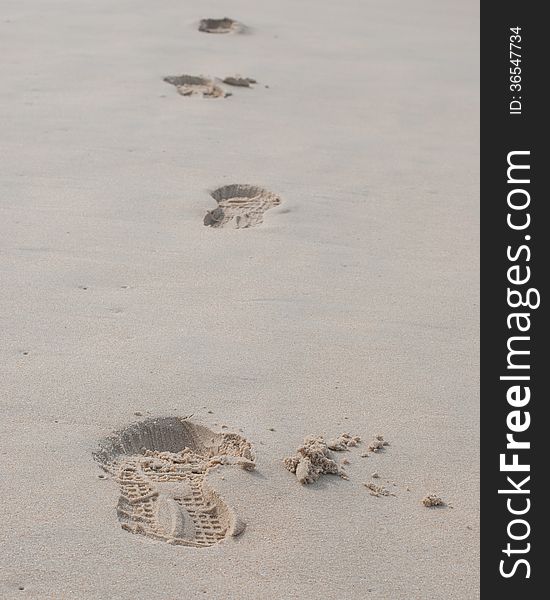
350 305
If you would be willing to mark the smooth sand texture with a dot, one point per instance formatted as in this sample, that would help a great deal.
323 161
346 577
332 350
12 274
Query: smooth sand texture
352 307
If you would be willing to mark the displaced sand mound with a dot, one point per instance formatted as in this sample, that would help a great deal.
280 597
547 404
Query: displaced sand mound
161 467
314 459
379 443
432 500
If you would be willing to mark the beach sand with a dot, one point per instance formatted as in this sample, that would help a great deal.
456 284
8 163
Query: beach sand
353 307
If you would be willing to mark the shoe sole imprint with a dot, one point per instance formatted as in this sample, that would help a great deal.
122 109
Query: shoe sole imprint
191 85
161 466
240 206
225 25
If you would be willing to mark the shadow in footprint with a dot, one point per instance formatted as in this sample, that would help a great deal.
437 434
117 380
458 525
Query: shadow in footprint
238 81
225 25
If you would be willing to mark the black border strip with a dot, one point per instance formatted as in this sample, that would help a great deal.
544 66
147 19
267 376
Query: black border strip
501 134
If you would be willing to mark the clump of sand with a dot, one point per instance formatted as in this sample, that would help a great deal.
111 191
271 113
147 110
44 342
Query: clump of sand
314 459
343 442
232 444
377 444
432 500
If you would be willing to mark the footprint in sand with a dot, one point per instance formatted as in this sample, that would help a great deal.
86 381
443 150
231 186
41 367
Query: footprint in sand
161 466
225 25
240 206
190 85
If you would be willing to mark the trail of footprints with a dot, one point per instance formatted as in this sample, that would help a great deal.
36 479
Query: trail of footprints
161 465
240 206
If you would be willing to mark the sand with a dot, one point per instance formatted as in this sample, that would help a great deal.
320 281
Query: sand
313 459
162 467
352 305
